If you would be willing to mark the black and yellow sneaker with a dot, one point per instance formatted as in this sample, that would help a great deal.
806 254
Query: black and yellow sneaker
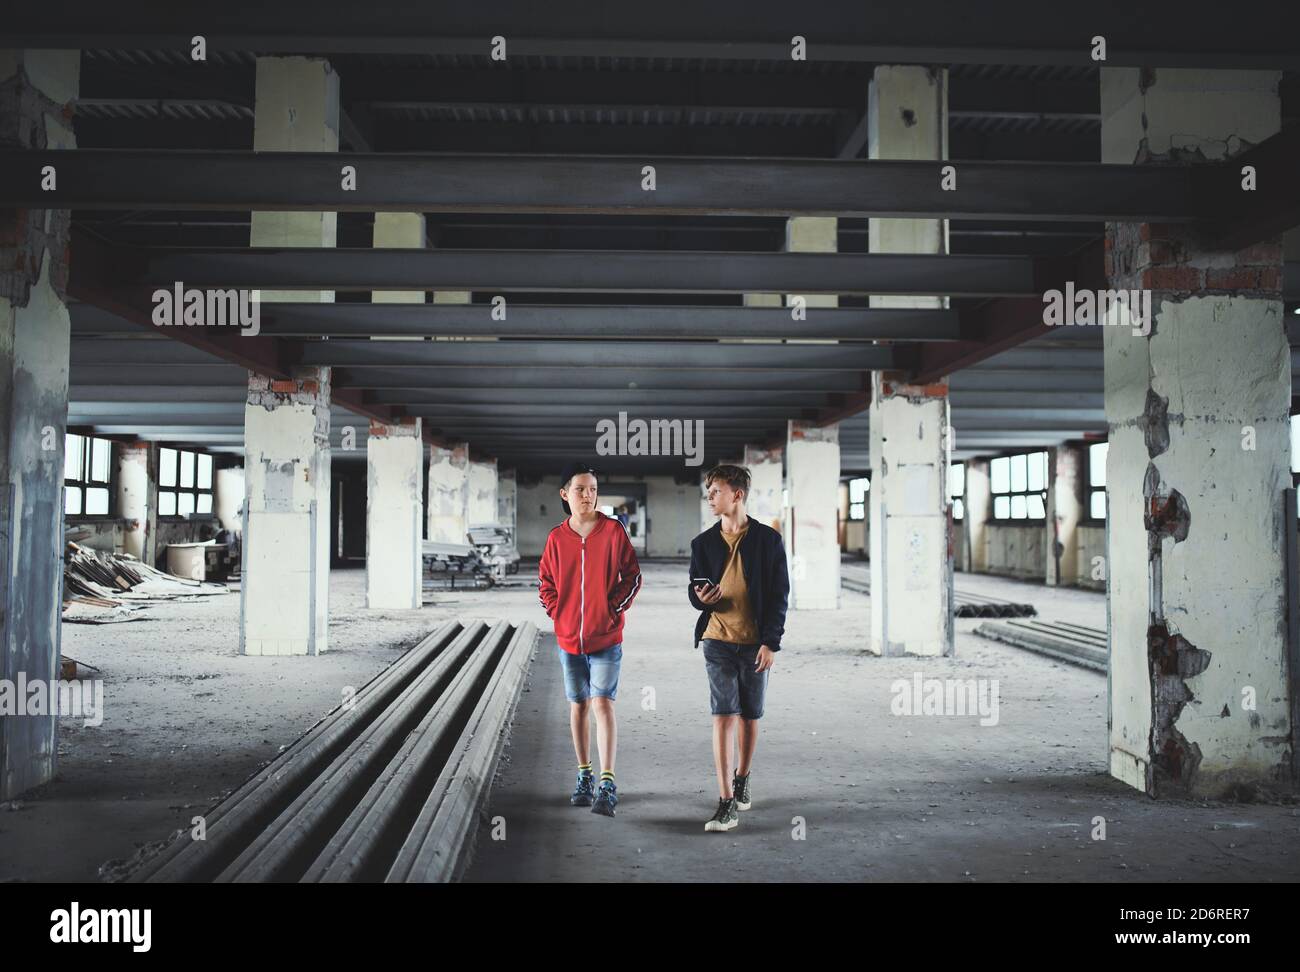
584 791
606 798
740 787
726 817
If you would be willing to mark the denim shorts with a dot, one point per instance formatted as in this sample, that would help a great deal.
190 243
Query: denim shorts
734 687
591 675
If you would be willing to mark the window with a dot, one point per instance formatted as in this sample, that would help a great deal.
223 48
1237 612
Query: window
87 475
184 482
1097 480
1295 444
858 489
1019 486
957 489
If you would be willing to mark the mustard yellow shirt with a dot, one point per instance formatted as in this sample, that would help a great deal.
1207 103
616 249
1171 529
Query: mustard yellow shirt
732 619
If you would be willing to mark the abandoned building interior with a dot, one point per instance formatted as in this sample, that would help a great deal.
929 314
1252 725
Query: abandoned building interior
300 323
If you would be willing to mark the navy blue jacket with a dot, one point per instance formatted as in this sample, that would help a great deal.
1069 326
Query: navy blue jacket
762 555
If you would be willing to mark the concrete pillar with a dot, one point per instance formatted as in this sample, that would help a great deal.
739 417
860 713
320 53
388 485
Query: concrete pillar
812 534
448 493
286 535
137 498
398 230
911 543
296 109
481 501
507 505
228 497
812 234
285 588
37 89
907 111
1065 498
394 514
766 482
1197 408
978 503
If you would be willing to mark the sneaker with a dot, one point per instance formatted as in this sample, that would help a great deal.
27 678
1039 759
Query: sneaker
606 799
726 817
584 791
740 787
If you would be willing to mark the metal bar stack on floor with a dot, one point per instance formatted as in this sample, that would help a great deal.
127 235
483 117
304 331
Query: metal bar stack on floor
384 788
1074 643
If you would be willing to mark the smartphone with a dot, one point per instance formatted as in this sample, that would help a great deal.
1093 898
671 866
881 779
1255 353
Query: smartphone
701 582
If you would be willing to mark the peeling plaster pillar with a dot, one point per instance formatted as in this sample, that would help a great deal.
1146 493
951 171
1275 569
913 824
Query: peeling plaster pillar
394 514
1197 410
978 503
911 534
812 535
286 534
508 503
481 502
137 498
37 89
449 493
1064 512
910 523
286 569
766 482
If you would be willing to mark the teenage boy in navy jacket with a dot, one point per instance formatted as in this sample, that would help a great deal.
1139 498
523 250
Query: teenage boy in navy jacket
740 584
587 578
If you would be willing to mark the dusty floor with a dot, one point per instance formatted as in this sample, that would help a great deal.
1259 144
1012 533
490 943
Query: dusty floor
883 797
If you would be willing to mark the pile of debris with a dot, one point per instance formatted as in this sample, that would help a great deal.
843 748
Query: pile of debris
101 587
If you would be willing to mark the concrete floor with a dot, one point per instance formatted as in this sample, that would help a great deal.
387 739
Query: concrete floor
884 797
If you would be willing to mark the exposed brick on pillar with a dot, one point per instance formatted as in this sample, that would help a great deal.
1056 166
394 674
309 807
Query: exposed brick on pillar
1197 407
285 587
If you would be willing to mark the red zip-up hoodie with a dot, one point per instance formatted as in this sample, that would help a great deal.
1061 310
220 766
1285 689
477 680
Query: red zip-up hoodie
587 583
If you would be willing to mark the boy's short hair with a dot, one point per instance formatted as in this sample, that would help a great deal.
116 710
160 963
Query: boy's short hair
737 477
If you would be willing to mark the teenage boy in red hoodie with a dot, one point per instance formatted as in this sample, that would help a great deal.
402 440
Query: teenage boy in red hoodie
588 576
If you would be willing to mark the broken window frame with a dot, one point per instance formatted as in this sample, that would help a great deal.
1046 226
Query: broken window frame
1010 493
1089 489
861 504
177 490
81 484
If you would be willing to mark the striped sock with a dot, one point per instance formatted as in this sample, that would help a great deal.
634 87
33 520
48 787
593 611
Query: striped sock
607 776
584 769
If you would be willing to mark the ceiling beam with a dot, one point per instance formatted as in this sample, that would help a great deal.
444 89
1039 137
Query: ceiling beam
163 179
620 271
567 356
668 322
1159 33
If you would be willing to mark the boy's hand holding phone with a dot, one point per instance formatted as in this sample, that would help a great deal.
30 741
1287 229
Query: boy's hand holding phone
707 591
